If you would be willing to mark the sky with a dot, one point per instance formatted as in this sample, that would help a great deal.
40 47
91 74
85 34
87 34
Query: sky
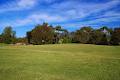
23 15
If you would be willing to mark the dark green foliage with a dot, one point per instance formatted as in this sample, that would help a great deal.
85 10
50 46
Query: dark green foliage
83 35
99 37
45 34
8 35
67 40
93 36
13 37
29 36
96 37
103 40
1 39
21 40
115 38
41 34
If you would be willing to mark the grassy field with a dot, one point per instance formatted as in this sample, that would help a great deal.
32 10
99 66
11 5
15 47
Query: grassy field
60 62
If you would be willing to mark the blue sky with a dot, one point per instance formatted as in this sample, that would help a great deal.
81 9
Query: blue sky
23 15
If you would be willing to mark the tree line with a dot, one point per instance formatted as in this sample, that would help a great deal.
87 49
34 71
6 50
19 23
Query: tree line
48 34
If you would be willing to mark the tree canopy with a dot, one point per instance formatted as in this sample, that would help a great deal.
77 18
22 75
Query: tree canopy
48 34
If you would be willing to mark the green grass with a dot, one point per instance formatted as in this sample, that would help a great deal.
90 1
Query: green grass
60 62
2 44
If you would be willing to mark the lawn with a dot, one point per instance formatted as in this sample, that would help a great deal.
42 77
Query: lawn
60 62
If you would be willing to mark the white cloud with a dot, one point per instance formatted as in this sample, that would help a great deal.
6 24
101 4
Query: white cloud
26 3
106 20
47 1
75 9
18 5
35 19
66 10
92 23
111 14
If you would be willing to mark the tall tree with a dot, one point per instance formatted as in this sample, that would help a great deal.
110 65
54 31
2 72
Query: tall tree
42 34
98 37
8 35
13 37
29 37
83 35
115 38
1 38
